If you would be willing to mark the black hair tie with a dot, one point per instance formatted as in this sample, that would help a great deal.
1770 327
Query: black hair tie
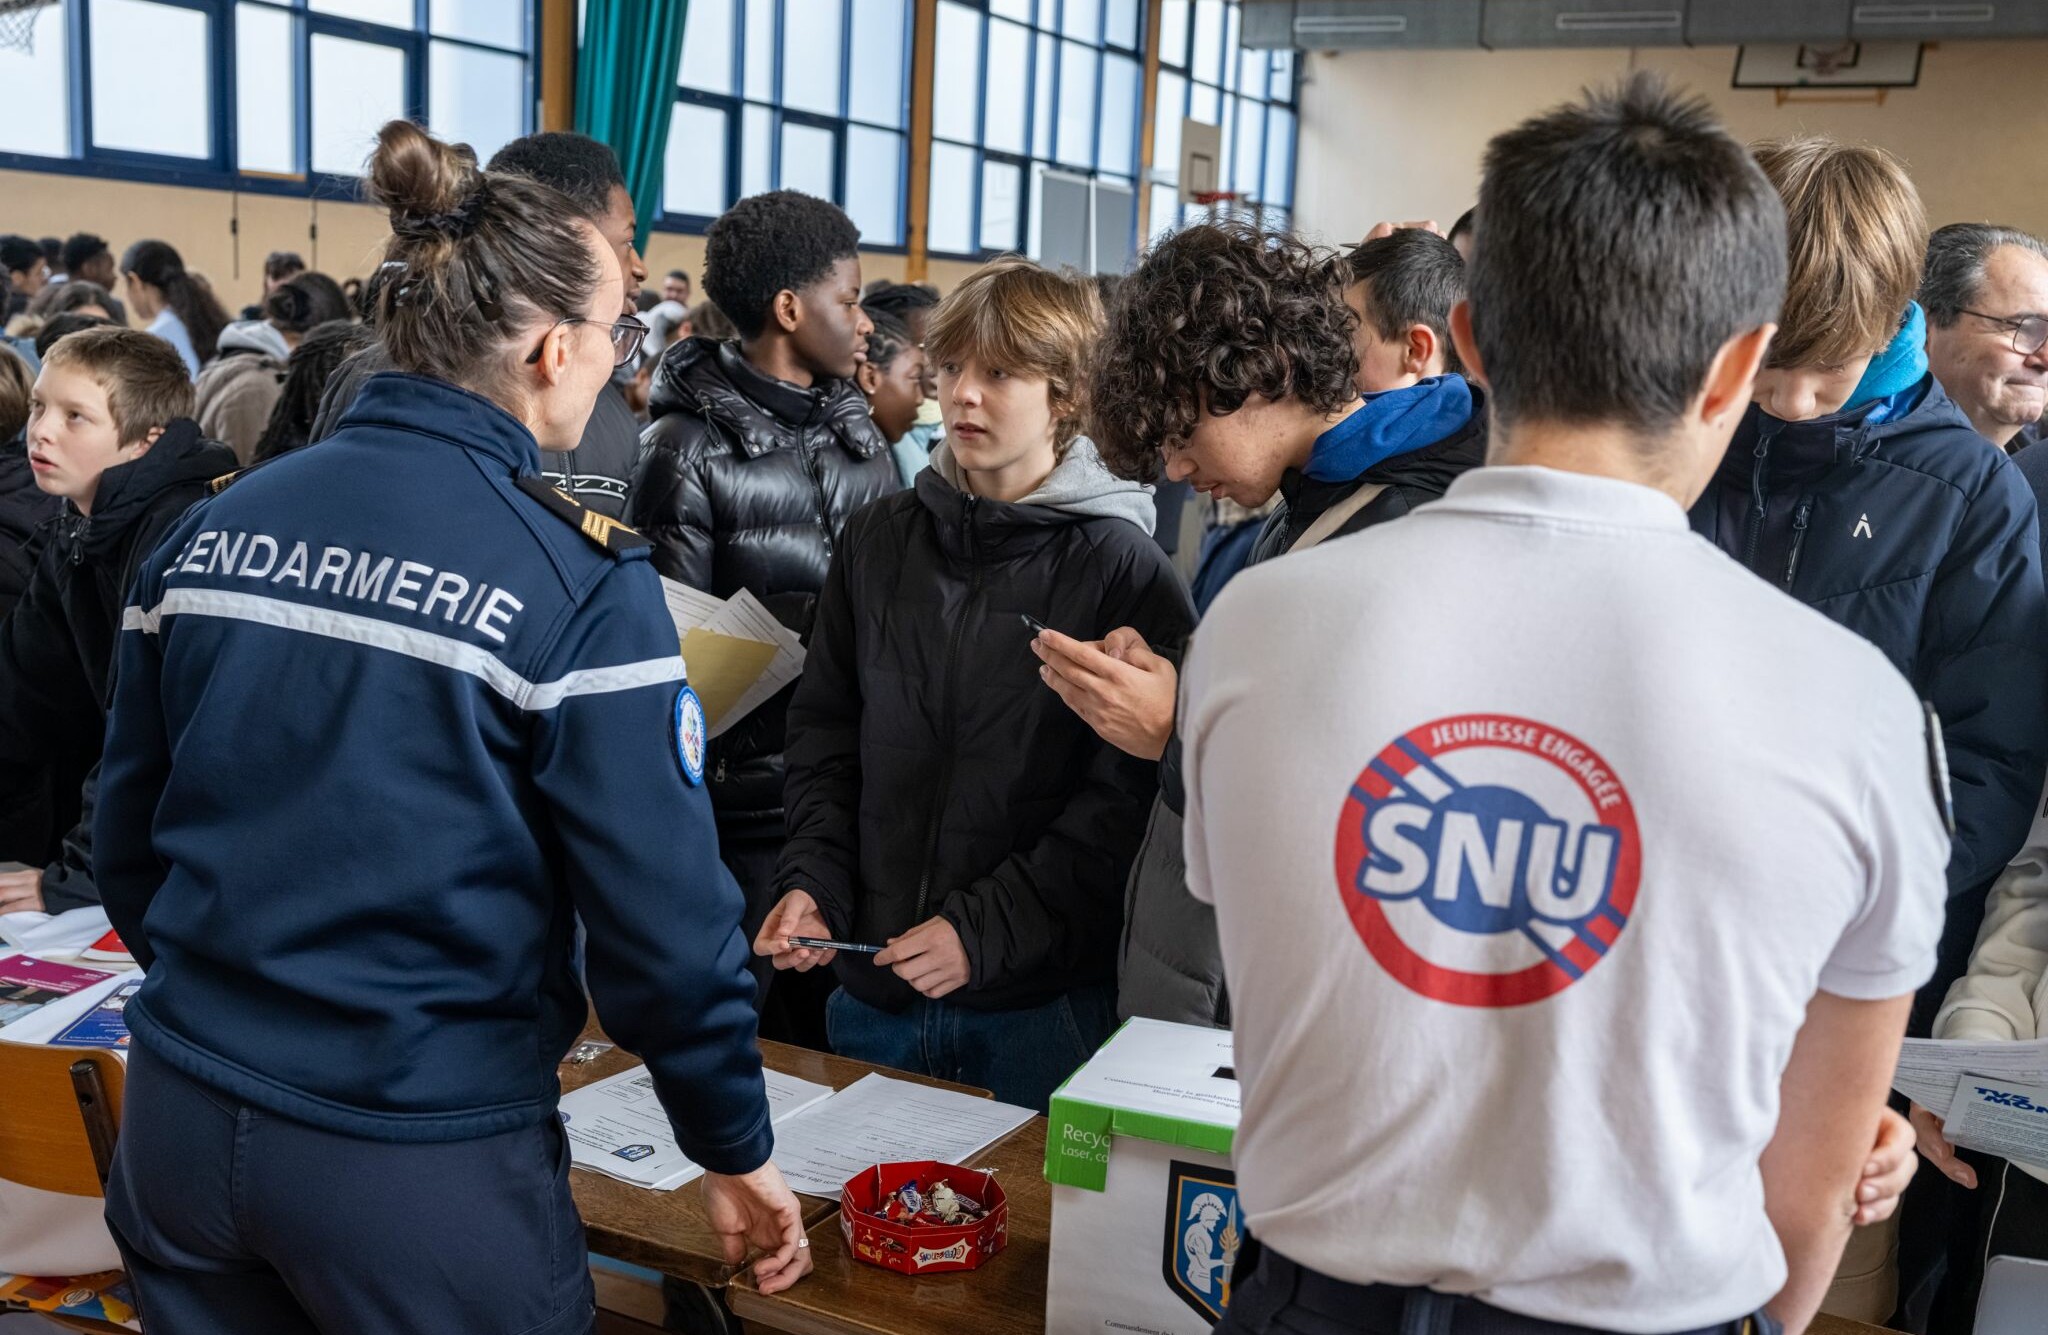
456 223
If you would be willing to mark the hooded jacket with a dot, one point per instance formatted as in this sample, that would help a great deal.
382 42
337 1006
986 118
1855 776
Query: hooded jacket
239 387
1170 965
745 482
931 772
57 648
1898 521
25 510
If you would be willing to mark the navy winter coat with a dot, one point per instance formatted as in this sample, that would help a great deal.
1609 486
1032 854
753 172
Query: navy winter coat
1919 535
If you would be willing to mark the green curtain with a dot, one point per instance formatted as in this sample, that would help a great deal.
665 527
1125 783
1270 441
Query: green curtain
626 89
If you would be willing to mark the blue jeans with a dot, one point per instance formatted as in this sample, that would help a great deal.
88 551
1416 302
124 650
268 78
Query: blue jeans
1020 1056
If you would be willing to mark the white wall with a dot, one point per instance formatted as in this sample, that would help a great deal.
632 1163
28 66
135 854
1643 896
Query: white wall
1399 135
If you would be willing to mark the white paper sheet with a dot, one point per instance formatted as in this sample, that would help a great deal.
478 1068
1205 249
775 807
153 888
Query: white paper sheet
617 1127
1998 1117
688 607
1173 1070
879 1120
744 617
1930 1069
56 936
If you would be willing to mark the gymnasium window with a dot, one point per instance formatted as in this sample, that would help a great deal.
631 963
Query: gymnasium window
1035 129
808 95
260 93
1248 95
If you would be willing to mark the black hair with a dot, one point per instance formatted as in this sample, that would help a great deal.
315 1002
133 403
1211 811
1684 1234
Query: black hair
1460 227
898 299
646 299
1216 314
1956 258
80 250
888 340
324 348
18 254
474 261
783 241
305 300
1413 277
158 264
677 273
53 253
282 264
575 164
63 326
1621 240
63 298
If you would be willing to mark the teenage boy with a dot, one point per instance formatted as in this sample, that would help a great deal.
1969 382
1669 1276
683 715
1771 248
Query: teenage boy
1502 825
1286 416
759 452
110 433
27 271
87 259
596 473
942 804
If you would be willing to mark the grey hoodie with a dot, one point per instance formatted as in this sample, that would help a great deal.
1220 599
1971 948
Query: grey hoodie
1079 484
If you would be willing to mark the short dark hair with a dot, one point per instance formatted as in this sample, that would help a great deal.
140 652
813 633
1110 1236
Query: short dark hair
574 164
144 378
888 340
53 253
280 264
304 301
62 327
1953 277
678 273
1412 277
81 249
1214 314
1620 241
782 241
65 297
18 254
1460 227
899 299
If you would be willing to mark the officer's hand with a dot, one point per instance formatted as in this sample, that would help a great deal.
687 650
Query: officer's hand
796 915
1939 1152
20 890
1118 686
1885 1174
757 1212
929 957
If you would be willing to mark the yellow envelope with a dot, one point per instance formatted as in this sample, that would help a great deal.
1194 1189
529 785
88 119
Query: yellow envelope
722 667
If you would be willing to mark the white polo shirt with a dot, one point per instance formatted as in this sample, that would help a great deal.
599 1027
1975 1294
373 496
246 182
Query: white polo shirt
1533 823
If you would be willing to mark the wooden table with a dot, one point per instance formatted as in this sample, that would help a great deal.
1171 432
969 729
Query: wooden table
848 1297
1841 1325
668 1230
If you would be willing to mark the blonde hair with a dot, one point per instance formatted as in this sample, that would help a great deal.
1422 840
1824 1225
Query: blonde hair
1858 237
1014 314
144 377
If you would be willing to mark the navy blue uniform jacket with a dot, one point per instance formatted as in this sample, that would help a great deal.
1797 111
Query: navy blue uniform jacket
372 750
1919 535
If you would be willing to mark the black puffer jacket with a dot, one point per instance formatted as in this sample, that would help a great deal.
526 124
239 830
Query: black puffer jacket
744 482
24 510
57 648
932 772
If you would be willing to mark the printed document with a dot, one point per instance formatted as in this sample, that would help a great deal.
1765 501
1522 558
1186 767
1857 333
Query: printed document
617 1127
879 1120
1998 1117
1931 1069
735 651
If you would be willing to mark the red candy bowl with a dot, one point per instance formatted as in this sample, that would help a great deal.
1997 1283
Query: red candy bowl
897 1229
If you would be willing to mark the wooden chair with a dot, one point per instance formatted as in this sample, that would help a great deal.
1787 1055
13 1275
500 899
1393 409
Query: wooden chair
59 1117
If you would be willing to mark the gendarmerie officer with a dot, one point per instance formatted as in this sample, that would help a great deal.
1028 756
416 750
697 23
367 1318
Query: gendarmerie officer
374 749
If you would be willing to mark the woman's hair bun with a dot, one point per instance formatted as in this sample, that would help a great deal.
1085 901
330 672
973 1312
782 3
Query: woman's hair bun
419 177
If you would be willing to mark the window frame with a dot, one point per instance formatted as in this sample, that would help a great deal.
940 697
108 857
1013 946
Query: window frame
219 169
1181 65
839 124
1042 25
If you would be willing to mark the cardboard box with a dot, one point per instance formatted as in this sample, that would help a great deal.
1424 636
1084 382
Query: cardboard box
1145 1221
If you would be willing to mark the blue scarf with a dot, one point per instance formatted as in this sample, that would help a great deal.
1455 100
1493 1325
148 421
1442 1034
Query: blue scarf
1396 421
1898 369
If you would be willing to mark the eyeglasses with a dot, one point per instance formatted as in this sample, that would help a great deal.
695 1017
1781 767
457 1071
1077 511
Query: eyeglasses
2029 332
627 335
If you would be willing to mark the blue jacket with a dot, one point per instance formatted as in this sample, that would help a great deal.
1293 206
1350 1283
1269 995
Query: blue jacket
373 748
1919 535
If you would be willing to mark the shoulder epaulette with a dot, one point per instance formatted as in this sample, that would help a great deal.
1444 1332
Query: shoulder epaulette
221 483
601 529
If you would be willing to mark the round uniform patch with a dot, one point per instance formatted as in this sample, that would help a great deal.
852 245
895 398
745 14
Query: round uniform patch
1487 860
692 736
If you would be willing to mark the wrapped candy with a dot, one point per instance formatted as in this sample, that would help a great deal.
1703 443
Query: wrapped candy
909 1217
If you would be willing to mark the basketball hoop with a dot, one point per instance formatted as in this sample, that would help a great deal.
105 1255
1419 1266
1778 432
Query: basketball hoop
18 24
1212 200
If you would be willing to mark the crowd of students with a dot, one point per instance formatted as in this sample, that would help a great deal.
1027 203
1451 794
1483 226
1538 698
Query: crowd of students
352 740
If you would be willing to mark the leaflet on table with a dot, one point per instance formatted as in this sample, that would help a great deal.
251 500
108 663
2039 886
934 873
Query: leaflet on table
1999 1117
45 1024
105 1025
106 1296
27 985
1931 1069
617 1127
880 1120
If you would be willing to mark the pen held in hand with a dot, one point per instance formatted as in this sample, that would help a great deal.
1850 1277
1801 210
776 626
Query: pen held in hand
820 943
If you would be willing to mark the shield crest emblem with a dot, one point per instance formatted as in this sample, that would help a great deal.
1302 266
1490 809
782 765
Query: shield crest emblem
1203 1235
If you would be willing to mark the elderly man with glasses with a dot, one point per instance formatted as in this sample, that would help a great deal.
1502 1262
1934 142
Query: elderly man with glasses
1985 290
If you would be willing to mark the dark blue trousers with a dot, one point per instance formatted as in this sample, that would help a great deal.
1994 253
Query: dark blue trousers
235 1221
